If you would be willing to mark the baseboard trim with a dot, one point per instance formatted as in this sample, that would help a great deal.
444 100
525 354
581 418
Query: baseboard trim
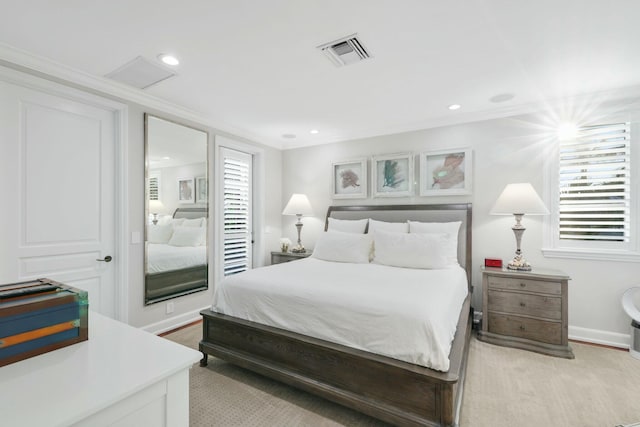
175 322
595 336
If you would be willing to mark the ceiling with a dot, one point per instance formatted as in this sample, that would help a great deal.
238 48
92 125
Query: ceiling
252 66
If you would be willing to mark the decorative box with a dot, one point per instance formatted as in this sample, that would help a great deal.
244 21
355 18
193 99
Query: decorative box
39 316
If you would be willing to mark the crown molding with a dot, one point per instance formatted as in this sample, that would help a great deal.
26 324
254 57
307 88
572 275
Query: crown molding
625 100
22 60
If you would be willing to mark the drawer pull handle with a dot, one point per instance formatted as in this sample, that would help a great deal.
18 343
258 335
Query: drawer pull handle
522 304
522 285
522 328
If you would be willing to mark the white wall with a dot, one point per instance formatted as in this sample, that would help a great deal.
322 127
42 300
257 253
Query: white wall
154 317
504 151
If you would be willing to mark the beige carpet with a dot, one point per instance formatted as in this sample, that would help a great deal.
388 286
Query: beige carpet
504 387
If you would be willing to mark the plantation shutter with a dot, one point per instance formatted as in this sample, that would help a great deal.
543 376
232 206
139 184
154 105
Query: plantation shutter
154 185
595 184
236 211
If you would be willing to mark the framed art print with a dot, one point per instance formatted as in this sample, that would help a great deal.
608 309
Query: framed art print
186 190
446 172
392 175
201 189
349 179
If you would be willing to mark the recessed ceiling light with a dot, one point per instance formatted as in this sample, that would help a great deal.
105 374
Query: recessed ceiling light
454 106
288 135
166 158
314 131
168 59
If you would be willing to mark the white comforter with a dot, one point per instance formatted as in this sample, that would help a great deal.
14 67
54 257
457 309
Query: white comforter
403 313
168 258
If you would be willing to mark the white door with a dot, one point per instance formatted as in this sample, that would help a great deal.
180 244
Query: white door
235 197
57 163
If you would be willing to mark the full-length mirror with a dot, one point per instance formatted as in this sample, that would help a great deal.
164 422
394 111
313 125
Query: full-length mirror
176 210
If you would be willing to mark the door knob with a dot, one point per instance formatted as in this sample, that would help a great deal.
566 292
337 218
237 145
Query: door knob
108 258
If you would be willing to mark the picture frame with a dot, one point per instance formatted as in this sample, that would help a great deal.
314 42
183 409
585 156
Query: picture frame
392 175
201 189
349 179
446 172
186 190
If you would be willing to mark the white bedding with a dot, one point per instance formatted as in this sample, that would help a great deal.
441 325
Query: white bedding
403 313
162 257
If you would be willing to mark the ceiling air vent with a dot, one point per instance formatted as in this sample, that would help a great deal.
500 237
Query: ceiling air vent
140 73
345 51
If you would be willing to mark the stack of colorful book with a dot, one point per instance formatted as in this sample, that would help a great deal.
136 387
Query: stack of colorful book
40 316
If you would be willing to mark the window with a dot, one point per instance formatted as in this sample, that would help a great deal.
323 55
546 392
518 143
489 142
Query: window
592 200
154 185
236 211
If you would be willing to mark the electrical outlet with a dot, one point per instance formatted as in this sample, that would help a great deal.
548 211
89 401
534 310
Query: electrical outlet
170 307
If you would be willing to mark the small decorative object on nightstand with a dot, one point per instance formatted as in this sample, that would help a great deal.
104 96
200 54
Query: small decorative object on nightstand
284 244
280 257
526 309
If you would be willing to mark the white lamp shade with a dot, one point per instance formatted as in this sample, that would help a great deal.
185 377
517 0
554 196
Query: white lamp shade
156 206
298 205
519 198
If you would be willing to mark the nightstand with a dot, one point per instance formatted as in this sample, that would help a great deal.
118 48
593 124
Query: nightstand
280 257
526 310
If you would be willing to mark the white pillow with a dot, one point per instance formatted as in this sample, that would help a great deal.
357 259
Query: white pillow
392 227
163 219
347 225
159 233
450 228
196 222
169 220
343 247
419 250
187 236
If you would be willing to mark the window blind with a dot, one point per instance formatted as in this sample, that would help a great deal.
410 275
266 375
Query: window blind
594 197
237 214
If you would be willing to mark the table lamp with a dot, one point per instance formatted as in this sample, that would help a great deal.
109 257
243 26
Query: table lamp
155 207
518 200
298 205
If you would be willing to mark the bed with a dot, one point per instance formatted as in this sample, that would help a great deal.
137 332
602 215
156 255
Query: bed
173 270
402 392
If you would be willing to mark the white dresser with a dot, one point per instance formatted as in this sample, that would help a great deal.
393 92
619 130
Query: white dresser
121 376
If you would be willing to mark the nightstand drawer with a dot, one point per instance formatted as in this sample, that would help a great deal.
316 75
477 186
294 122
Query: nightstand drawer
520 284
547 307
522 327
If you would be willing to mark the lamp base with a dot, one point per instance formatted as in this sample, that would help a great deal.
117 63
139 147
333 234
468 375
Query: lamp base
299 249
519 263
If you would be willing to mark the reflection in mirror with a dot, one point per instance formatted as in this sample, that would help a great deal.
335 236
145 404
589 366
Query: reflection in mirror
176 210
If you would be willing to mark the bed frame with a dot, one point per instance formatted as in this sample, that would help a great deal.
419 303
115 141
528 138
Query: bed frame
392 390
170 284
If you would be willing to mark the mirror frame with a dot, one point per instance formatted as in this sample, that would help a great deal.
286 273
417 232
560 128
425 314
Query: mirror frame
190 276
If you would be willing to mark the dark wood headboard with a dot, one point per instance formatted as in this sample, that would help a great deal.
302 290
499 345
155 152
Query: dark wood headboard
191 213
424 213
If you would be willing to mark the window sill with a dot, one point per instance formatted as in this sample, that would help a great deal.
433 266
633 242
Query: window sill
602 255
